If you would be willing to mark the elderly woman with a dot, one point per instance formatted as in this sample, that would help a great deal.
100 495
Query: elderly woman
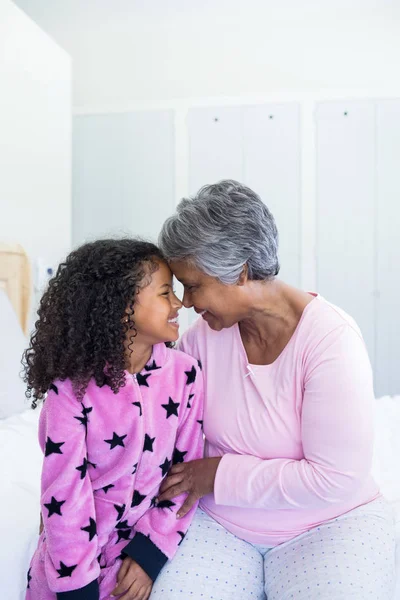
288 507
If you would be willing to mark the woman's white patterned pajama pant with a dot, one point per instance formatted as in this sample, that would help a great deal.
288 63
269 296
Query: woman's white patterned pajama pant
351 557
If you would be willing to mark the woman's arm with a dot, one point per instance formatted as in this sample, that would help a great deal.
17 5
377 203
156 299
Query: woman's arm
337 437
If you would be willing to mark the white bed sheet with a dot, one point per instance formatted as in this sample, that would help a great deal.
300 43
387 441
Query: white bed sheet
21 461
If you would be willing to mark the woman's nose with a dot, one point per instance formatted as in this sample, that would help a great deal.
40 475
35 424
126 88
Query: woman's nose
186 301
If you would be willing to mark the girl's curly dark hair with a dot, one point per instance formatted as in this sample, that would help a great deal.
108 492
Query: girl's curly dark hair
82 327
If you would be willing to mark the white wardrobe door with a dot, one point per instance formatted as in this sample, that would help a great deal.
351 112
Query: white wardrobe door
123 174
271 150
388 246
215 149
346 210
215 145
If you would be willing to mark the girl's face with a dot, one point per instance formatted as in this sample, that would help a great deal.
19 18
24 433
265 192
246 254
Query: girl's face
156 309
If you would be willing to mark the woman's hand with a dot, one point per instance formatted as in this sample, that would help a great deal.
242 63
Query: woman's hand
195 478
133 582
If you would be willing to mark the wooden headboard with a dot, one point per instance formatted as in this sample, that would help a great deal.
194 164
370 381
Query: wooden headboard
15 279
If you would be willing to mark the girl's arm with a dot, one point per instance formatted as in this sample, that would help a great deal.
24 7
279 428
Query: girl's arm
159 532
67 503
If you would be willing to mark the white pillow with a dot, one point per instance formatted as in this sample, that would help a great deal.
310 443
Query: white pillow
12 344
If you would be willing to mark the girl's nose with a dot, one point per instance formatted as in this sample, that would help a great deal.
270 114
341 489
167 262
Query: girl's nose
177 303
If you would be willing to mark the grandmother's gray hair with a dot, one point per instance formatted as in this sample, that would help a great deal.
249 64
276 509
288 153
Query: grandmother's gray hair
222 228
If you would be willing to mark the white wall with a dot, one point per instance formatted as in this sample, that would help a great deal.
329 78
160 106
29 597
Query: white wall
129 51
131 55
35 138
182 54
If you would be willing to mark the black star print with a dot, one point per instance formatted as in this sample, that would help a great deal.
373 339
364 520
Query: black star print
137 498
165 467
65 571
54 388
29 577
165 504
182 536
142 379
134 468
153 502
171 408
54 507
148 443
201 424
123 525
200 365
91 464
85 411
53 447
139 407
107 487
116 440
123 534
83 468
91 529
106 381
190 397
191 376
152 367
120 510
178 456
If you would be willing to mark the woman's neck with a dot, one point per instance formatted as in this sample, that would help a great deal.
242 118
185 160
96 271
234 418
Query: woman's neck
274 312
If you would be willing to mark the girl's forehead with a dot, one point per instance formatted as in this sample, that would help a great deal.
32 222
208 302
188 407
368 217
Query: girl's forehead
163 272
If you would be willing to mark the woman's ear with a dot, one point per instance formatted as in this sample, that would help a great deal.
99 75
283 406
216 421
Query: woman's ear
244 276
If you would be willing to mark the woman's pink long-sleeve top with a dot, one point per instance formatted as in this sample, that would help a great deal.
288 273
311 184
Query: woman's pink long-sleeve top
296 436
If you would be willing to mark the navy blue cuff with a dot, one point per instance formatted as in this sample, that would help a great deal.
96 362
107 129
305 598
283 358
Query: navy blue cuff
142 550
89 592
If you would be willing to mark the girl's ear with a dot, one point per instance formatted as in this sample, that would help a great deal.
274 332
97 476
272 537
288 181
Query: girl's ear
244 275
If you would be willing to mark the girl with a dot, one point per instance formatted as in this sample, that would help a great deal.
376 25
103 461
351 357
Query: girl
121 407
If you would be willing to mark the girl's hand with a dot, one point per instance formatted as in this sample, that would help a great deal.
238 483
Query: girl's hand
133 582
195 478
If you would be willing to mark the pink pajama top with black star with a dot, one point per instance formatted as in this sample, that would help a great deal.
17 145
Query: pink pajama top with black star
104 460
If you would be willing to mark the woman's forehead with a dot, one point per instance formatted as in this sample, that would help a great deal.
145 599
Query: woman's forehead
185 270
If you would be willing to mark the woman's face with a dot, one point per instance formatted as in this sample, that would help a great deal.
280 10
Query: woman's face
219 304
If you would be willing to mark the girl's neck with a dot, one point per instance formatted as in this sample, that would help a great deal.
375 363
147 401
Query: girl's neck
138 355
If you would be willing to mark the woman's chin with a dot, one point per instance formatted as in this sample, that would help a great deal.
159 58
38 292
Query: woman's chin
213 322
